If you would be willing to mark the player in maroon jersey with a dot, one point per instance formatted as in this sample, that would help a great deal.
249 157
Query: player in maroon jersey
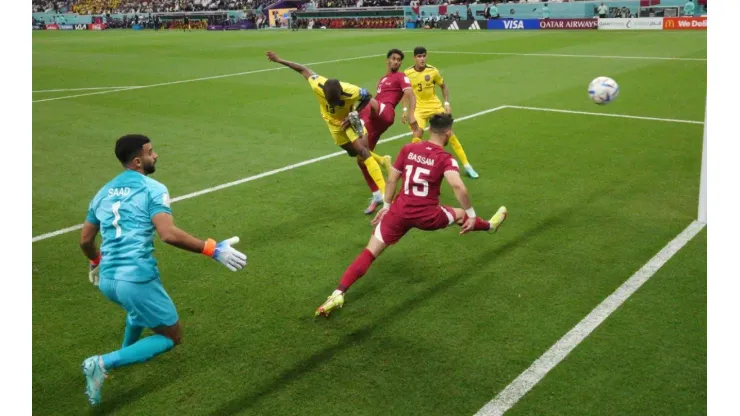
422 166
381 113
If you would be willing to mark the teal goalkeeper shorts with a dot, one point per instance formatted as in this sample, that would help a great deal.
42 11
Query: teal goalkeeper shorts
147 305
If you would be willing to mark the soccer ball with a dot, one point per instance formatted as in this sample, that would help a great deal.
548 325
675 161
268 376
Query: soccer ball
603 90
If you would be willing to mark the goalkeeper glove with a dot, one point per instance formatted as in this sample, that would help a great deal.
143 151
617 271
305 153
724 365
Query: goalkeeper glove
225 254
94 274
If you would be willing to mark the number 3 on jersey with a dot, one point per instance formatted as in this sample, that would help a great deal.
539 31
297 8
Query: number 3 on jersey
420 186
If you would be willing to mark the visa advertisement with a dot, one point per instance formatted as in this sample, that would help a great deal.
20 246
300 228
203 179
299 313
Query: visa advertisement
513 24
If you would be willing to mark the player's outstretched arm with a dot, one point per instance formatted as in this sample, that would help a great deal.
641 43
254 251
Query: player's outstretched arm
391 184
87 244
223 252
365 98
408 112
87 241
446 96
458 187
461 193
272 56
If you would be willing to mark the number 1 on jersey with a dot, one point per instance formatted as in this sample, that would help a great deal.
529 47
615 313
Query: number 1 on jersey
421 186
116 218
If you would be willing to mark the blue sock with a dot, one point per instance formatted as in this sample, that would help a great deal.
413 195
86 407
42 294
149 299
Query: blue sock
131 335
142 350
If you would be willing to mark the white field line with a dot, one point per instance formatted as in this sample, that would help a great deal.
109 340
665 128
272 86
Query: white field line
588 113
563 55
161 84
261 175
88 89
508 397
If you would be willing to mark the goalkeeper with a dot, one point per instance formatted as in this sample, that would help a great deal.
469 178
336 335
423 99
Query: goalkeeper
127 211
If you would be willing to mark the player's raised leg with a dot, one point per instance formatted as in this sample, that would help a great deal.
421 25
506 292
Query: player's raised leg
479 224
357 148
355 271
377 196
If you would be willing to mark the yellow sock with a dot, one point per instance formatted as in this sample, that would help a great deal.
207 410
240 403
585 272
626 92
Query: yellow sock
377 157
374 170
457 147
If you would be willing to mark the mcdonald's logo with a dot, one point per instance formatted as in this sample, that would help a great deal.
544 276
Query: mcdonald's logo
685 23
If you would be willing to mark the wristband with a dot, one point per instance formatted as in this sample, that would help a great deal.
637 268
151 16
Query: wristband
386 205
447 103
209 248
405 109
97 260
471 212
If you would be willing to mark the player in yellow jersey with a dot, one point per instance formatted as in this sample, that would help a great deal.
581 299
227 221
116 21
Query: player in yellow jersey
424 78
336 103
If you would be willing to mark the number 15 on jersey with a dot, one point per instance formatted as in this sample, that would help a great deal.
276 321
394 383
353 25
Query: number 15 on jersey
420 185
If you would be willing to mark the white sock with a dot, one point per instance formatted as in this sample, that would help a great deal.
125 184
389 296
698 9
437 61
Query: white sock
377 195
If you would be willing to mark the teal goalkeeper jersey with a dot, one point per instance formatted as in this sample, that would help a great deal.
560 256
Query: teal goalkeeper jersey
123 209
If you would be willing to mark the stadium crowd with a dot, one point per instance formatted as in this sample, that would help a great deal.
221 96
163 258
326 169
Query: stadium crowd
149 6
352 23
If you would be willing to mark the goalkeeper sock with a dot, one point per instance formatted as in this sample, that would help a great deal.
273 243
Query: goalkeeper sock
457 147
356 270
480 224
131 335
373 169
368 178
139 352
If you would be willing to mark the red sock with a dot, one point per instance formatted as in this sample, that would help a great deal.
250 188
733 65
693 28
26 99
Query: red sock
480 223
369 179
356 270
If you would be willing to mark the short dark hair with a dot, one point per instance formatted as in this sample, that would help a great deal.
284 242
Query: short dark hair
332 89
129 146
420 50
396 51
440 122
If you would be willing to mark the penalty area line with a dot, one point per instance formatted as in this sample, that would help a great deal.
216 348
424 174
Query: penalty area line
509 396
183 81
87 89
589 113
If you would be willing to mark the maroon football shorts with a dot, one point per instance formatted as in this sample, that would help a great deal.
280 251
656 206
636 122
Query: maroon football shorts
395 225
377 124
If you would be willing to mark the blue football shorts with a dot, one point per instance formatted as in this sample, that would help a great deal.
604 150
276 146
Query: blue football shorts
147 304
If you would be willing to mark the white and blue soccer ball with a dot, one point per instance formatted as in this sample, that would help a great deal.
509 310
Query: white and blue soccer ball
603 90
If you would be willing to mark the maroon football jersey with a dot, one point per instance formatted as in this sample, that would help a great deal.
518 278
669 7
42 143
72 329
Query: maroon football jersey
422 167
390 88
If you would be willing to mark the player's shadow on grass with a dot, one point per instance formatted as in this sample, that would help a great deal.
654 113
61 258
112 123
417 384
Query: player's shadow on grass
351 340
154 382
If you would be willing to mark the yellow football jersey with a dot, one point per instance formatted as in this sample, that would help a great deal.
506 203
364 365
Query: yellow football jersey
350 95
424 83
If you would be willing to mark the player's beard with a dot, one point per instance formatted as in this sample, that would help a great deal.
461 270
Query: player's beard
149 169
